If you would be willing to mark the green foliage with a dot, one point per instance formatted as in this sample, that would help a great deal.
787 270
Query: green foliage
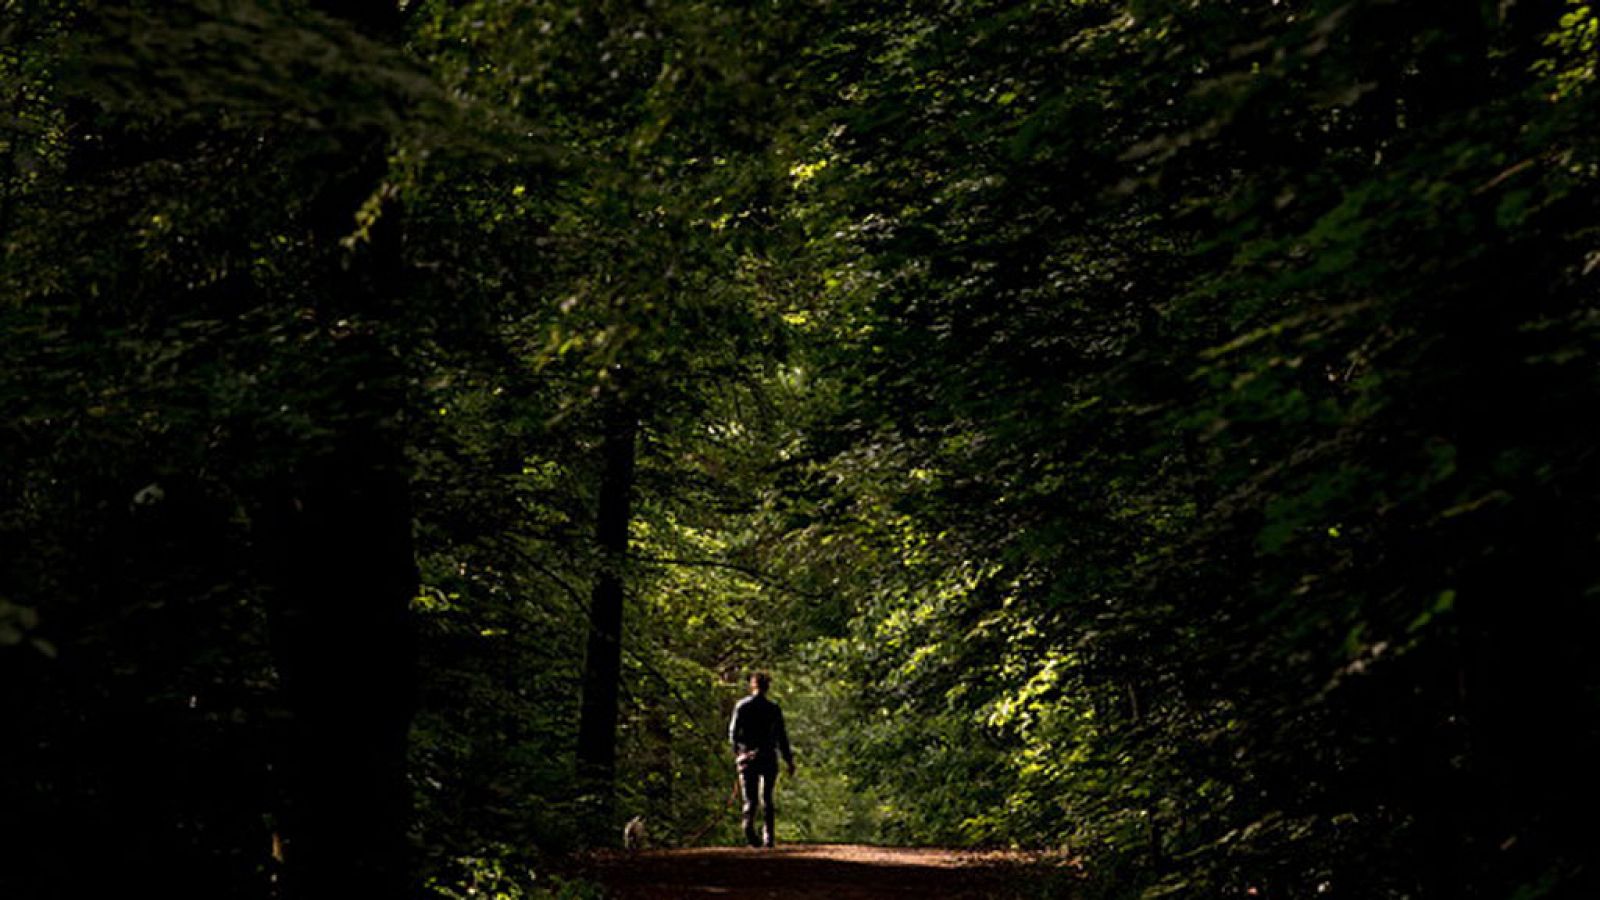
492 877
1207 376
1149 430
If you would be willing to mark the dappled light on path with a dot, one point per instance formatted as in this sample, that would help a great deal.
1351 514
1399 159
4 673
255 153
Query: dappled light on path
803 871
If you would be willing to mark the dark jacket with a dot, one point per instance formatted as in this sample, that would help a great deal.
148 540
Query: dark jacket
757 725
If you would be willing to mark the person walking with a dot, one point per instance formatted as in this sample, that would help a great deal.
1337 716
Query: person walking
758 736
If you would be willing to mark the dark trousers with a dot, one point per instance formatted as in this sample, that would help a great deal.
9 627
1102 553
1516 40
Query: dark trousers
757 778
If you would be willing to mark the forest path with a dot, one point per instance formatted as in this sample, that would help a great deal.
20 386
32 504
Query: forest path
810 872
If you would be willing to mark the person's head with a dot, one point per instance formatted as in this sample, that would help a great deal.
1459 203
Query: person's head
759 682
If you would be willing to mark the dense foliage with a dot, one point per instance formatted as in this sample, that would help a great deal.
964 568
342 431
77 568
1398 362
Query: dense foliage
1212 381
1152 430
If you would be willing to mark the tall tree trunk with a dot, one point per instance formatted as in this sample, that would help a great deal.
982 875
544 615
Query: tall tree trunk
602 670
343 577
346 573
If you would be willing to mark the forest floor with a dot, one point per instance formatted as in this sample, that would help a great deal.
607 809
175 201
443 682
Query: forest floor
814 872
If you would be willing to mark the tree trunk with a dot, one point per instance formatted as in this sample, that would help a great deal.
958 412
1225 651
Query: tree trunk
345 650
602 671
343 562
343 574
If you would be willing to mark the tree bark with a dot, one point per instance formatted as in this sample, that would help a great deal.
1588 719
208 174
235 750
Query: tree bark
342 574
602 671
345 650
343 567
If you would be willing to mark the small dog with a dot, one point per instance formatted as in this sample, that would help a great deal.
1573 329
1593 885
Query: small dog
633 834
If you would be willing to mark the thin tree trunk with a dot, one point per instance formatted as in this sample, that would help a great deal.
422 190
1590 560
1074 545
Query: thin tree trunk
602 671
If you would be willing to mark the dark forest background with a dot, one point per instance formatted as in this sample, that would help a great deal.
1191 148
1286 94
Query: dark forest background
1157 431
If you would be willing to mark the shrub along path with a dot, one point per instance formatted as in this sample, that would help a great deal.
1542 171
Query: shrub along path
812 872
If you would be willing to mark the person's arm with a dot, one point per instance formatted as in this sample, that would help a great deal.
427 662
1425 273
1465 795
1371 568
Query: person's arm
733 729
783 742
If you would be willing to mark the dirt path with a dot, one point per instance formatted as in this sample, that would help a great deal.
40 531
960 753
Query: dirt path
808 872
